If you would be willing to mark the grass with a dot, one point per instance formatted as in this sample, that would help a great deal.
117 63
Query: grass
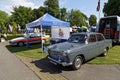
113 57
34 51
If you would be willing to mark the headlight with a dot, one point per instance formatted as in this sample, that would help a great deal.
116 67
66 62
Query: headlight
65 53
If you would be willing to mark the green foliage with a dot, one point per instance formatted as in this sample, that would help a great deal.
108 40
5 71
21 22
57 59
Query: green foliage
63 14
52 7
76 17
3 21
4 28
22 15
3 17
92 20
11 36
112 8
39 12
14 24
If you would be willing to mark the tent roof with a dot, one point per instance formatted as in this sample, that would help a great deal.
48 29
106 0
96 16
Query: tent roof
47 20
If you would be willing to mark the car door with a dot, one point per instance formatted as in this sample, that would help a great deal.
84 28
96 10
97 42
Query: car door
92 47
35 38
101 44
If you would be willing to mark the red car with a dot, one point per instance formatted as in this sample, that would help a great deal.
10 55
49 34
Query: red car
31 38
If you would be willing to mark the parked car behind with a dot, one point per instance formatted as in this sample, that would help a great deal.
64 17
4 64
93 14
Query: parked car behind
30 37
79 48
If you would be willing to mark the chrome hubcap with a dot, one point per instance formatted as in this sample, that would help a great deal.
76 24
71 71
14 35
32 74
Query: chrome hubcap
78 63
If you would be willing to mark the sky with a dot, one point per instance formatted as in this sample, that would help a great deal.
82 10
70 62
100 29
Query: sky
87 7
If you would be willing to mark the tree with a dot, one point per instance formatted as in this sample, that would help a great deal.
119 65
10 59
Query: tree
63 14
92 20
22 15
39 12
4 28
3 17
76 17
52 7
112 8
14 24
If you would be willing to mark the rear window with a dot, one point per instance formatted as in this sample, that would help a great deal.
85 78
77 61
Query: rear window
99 37
92 38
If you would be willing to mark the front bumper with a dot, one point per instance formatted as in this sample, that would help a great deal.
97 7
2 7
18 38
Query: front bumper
12 43
59 62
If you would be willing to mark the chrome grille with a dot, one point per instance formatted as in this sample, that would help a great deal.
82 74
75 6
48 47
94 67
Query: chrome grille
57 56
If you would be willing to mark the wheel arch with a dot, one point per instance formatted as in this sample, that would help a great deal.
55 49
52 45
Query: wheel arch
107 48
20 42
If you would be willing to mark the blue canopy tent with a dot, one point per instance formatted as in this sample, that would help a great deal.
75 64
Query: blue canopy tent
48 20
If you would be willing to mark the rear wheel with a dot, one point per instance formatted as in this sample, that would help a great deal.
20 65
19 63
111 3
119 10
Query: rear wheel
77 63
20 44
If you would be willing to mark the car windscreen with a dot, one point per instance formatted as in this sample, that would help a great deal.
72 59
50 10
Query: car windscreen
31 35
78 38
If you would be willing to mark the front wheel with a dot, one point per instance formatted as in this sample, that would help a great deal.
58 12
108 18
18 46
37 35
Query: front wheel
20 44
77 63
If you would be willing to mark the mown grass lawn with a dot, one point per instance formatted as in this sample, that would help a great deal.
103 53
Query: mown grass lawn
34 51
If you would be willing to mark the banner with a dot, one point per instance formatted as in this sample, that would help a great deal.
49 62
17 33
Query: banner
60 32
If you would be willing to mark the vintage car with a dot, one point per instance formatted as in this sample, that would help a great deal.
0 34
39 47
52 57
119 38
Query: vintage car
79 48
28 38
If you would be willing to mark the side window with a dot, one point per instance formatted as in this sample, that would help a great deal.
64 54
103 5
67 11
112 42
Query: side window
32 36
35 35
99 37
92 38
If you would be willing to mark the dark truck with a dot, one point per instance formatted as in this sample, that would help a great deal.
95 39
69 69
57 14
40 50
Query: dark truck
109 26
79 48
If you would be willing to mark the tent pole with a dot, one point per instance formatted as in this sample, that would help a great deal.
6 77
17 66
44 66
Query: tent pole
41 38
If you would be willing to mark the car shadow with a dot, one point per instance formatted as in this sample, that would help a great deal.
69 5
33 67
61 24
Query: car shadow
46 66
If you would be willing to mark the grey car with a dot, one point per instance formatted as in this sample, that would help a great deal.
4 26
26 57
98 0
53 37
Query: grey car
79 48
